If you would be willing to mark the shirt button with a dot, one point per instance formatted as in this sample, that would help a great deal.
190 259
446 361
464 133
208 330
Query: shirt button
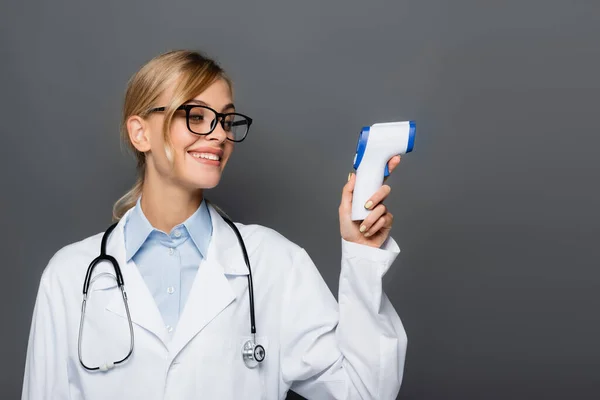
170 289
171 251
169 328
177 233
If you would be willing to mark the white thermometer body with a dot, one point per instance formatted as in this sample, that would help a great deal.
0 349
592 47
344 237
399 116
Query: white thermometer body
377 144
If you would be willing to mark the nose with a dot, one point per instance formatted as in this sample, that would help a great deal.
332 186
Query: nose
218 133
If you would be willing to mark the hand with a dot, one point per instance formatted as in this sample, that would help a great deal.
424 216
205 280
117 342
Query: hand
378 223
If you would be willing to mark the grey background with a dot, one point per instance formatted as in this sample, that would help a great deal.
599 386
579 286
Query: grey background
496 209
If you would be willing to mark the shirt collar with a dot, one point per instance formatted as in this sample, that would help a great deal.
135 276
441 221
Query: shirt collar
138 229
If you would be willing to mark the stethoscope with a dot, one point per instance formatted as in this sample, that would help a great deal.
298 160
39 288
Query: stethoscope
252 353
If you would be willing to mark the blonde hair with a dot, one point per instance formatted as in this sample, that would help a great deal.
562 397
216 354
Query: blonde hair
192 72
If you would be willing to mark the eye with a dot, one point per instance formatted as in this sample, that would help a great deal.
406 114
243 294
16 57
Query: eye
227 125
196 116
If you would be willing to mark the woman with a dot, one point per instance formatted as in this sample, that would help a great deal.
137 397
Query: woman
186 279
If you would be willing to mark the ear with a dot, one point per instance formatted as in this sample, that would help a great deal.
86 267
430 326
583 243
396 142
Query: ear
137 128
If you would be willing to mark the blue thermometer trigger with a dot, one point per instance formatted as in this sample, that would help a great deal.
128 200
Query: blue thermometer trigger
362 146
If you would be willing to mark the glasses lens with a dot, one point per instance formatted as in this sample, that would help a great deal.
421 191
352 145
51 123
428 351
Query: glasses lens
236 126
201 120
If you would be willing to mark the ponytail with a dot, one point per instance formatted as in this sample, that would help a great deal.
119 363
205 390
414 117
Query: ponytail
128 200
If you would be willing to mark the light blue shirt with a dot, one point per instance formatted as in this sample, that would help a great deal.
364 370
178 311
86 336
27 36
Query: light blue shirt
168 262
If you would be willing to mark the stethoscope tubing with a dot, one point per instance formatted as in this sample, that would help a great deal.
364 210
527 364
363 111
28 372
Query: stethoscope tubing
121 284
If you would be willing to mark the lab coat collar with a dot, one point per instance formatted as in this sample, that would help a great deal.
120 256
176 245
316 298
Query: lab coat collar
210 294
211 291
227 250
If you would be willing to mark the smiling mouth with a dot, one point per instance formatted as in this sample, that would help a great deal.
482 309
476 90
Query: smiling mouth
206 156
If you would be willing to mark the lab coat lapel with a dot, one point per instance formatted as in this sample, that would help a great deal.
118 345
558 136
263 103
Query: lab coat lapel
142 306
211 292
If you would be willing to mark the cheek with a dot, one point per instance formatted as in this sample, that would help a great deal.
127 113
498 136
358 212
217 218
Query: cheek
181 139
229 146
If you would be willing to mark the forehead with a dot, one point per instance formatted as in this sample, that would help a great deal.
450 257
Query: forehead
217 94
219 88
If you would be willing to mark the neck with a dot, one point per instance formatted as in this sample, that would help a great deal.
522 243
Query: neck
166 205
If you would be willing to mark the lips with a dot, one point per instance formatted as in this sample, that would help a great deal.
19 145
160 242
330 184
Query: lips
207 155
207 149
206 158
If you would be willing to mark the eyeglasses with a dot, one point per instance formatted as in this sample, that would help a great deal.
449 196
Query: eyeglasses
202 120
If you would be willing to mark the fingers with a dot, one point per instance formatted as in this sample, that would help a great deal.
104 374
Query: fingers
392 164
378 197
376 220
349 186
384 222
378 217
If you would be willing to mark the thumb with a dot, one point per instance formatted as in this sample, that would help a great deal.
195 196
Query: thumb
347 192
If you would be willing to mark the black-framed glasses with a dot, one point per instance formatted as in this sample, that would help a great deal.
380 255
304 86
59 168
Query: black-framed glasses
202 120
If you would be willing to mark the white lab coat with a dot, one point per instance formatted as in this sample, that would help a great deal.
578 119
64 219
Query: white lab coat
315 346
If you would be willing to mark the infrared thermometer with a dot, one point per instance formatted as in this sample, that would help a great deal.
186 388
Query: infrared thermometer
377 144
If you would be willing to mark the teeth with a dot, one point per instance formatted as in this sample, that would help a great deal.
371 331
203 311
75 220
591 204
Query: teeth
208 156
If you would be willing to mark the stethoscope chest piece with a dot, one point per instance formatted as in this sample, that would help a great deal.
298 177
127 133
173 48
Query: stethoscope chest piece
253 353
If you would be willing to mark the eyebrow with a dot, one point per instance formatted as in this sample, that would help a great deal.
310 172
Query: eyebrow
201 103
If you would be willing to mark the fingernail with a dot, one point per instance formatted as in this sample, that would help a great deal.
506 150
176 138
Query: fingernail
363 228
367 234
369 204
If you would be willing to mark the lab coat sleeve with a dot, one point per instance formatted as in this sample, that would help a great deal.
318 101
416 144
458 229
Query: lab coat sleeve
45 365
354 349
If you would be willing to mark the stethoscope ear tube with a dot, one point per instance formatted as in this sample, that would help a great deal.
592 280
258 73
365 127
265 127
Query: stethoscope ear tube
250 284
86 285
107 365
103 257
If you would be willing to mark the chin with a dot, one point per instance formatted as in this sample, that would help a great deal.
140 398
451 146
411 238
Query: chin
204 183
201 179
207 185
